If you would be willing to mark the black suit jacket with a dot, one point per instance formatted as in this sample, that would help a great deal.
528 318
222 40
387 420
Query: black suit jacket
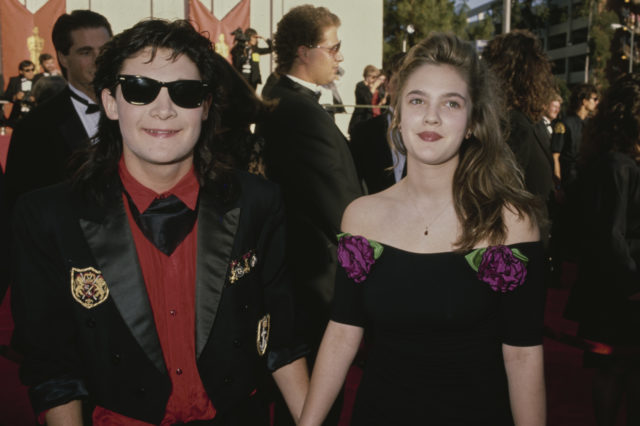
42 144
530 144
372 153
110 354
309 157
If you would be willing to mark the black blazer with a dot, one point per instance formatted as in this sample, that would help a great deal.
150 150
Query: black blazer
110 354
372 153
309 157
42 144
530 144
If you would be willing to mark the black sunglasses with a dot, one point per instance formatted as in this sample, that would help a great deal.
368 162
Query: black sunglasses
138 90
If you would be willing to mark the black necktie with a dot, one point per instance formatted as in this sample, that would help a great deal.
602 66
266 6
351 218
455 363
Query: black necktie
91 107
166 222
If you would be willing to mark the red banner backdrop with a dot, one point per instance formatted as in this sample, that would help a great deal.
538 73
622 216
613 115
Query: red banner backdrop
26 35
220 30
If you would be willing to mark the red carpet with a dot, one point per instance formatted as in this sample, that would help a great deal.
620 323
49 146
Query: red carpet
568 384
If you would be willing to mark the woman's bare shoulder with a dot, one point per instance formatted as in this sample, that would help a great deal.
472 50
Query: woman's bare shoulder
365 215
520 228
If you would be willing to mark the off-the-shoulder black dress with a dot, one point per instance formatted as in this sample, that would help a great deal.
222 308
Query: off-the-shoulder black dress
434 335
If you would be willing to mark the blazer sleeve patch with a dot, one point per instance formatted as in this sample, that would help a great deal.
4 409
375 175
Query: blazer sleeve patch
262 334
238 268
88 287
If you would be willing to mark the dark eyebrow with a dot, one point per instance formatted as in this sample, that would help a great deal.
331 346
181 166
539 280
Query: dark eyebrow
446 95
84 49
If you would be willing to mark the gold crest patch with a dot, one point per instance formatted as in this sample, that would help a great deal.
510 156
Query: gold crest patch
88 287
262 337
242 266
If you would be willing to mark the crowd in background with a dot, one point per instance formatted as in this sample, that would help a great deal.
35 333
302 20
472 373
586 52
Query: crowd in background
449 152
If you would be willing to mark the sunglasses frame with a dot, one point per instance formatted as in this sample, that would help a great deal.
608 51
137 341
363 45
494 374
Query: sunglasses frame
124 79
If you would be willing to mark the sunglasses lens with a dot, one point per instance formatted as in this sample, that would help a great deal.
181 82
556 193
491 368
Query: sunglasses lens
142 91
187 93
139 90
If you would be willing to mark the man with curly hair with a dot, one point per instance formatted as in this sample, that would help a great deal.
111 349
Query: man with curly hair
152 289
309 157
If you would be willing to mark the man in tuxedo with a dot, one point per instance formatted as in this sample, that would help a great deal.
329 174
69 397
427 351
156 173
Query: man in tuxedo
308 156
567 137
19 92
153 287
43 142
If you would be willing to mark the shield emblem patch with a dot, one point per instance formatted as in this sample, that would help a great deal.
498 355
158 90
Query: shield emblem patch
262 337
88 287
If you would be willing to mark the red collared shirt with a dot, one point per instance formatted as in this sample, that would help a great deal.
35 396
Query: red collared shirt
170 282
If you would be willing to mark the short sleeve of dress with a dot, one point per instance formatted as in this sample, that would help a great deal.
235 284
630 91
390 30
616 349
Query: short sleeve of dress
521 315
348 303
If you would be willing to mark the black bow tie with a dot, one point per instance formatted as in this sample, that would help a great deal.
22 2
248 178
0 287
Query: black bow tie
91 107
166 222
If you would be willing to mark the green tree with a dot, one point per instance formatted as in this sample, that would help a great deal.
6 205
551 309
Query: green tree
425 16
531 15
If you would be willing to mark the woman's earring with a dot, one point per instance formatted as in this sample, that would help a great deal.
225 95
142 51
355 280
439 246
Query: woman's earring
469 134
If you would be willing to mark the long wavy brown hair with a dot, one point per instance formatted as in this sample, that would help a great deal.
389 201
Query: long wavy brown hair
487 178
523 70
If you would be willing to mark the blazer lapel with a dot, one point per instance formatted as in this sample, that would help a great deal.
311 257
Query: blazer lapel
112 246
216 234
543 140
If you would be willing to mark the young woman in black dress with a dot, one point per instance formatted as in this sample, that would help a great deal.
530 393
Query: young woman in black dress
443 271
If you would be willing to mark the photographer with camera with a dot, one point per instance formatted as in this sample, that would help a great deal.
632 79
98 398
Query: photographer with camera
19 92
246 54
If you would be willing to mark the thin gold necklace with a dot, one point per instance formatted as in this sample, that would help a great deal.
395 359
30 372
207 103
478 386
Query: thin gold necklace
415 206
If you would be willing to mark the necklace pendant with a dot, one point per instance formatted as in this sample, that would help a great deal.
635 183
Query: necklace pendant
426 231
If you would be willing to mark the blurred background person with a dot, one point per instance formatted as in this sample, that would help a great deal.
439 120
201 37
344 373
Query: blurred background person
19 92
525 74
245 54
240 107
378 164
47 87
605 299
366 90
48 65
47 138
551 113
567 137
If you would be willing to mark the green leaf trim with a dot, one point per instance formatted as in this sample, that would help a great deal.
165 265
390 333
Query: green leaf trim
474 258
377 247
517 253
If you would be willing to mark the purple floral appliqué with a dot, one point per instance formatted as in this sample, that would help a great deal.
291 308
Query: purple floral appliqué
504 269
356 254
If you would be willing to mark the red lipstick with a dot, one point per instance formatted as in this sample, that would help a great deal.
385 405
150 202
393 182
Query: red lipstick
430 136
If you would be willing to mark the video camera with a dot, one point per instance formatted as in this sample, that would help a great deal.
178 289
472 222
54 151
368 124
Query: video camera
239 36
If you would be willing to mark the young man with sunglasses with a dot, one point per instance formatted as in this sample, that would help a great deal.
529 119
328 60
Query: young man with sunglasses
308 156
153 287
19 92
43 142
567 135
